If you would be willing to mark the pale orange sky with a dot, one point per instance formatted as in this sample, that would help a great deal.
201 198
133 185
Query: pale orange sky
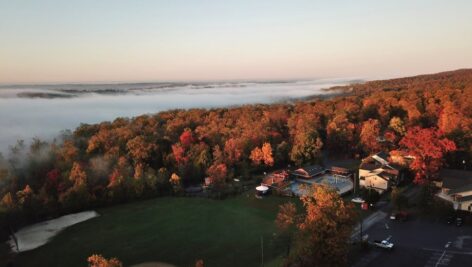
98 41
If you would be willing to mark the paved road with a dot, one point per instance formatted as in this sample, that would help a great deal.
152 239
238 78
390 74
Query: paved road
367 223
420 243
380 214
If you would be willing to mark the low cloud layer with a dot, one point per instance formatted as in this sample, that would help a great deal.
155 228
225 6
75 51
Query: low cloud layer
35 111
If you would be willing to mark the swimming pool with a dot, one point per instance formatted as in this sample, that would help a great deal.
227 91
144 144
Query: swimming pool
342 184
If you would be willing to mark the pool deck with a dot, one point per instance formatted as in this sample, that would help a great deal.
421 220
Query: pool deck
342 184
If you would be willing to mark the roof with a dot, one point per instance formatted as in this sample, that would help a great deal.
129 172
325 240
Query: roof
309 171
456 180
466 198
390 171
369 166
386 175
275 178
339 170
383 155
379 161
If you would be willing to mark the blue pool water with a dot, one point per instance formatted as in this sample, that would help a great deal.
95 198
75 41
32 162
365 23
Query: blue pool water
303 187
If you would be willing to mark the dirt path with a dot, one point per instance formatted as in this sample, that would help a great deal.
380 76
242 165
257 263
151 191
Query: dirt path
38 234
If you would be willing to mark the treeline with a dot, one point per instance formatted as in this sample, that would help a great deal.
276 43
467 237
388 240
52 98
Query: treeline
151 155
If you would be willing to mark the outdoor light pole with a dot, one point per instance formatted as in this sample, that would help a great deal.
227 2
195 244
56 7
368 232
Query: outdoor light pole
360 232
262 251
355 183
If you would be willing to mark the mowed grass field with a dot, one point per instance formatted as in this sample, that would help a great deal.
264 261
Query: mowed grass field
173 230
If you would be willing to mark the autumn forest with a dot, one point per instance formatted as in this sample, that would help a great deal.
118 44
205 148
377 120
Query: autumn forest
428 116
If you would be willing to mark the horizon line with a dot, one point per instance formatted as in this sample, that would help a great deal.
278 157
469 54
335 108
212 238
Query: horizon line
116 82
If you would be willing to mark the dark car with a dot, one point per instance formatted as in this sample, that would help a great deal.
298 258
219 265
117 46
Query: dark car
399 216
459 221
451 219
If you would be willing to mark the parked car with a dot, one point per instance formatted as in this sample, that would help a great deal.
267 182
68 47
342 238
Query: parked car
358 200
459 221
385 244
451 219
402 216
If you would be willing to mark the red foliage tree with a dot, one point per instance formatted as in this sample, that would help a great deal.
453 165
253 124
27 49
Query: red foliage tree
52 179
390 136
115 178
186 138
428 146
100 261
179 154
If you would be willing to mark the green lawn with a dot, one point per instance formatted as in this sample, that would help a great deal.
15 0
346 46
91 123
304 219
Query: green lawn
174 230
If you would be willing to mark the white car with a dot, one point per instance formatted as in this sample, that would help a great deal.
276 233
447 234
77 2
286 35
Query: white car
385 244
358 200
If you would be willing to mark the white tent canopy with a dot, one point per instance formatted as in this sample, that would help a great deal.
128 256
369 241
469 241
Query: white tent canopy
262 188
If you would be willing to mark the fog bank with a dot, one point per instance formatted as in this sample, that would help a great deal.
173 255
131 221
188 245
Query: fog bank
38 111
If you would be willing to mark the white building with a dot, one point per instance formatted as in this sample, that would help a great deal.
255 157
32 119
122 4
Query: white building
376 172
456 187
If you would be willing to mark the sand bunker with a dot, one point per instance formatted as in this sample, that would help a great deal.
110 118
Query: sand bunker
153 264
38 234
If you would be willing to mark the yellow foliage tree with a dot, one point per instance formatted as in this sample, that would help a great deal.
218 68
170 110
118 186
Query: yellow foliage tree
77 175
175 182
262 155
267 154
256 156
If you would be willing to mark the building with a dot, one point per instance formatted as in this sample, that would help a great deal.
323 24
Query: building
307 172
456 187
339 179
380 172
276 179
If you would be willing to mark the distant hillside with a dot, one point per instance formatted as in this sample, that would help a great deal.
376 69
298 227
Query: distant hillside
457 79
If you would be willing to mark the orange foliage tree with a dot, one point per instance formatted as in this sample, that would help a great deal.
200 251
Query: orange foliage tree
78 175
340 134
232 151
217 174
100 261
369 134
188 142
256 156
429 147
324 231
286 222
452 119
262 155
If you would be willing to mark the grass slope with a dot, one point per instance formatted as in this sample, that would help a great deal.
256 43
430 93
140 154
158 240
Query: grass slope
174 230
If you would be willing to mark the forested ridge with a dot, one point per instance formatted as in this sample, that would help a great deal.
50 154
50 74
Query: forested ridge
428 116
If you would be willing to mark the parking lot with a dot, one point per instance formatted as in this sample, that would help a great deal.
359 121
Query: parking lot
419 242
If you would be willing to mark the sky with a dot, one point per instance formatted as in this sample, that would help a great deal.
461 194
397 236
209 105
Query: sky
137 40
